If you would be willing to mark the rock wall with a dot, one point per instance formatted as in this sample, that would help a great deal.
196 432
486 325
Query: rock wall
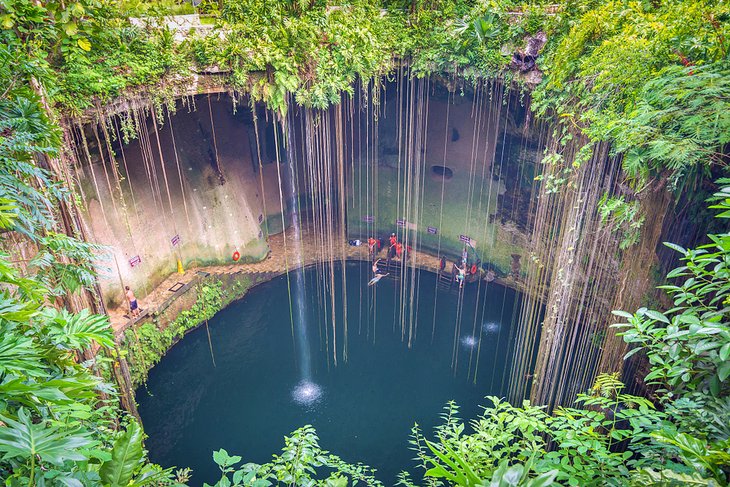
202 182
442 167
188 187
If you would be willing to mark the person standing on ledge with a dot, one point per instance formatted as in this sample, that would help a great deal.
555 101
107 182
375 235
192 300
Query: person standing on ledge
372 247
132 300
391 249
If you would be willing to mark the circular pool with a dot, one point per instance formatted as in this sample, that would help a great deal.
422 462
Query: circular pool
363 409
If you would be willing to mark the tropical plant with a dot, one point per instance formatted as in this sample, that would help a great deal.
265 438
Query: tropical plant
688 348
623 217
302 462
689 345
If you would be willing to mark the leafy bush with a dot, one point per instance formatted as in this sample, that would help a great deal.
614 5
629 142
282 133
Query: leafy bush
302 462
146 345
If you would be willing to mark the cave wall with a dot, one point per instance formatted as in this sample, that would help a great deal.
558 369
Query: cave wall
464 152
449 164
136 205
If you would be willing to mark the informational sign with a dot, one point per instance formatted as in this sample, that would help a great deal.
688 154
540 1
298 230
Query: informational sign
175 241
433 230
135 261
368 219
467 240
400 222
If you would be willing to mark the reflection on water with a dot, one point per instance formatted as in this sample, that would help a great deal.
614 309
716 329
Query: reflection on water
490 327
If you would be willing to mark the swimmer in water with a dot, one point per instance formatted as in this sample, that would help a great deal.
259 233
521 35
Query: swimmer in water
378 275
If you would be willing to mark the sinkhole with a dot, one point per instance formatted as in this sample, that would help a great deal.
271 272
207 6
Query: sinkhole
363 409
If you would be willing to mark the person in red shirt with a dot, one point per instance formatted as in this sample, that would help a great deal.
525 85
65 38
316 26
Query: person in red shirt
399 249
391 249
372 246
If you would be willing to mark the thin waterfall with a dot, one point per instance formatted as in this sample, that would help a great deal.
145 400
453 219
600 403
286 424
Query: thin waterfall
306 392
301 325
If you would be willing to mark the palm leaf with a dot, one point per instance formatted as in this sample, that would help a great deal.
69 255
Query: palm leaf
77 331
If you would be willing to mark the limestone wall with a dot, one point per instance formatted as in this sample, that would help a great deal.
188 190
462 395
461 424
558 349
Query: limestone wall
203 182
189 190
444 165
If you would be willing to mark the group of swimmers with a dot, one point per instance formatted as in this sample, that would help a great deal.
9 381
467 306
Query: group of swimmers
395 250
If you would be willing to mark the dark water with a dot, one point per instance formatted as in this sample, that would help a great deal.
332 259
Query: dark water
368 405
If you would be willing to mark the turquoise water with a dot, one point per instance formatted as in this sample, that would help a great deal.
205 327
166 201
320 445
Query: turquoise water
247 402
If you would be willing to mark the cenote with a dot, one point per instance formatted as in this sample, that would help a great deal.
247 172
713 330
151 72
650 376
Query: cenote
363 409
322 243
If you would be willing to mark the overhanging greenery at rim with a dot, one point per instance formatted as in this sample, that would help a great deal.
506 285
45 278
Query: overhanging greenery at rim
599 62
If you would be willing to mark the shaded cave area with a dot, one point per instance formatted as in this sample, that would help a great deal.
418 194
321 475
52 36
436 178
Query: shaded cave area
203 182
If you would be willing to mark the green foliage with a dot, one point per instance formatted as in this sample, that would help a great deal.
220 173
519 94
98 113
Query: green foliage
649 77
65 264
126 457
77 331
302 462
680 120
526 446
689 345
146 345
55 428
460 473
623 217
26 134
24 440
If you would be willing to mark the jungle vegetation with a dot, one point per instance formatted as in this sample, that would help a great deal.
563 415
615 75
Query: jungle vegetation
651 78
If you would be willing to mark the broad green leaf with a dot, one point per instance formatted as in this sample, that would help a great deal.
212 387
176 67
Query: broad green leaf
725 352
19 355
23 439
71 29
676 247
655 315
723 370
126 457
78 331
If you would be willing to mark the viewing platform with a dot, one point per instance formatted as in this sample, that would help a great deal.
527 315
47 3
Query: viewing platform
282 257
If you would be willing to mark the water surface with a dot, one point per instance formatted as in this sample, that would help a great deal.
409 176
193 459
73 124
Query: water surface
364 408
